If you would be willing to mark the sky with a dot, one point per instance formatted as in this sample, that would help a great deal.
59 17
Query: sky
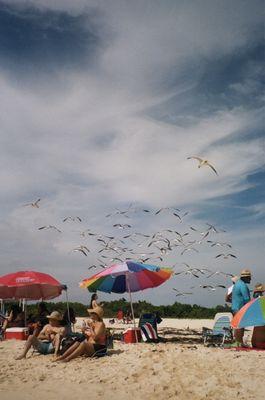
101 104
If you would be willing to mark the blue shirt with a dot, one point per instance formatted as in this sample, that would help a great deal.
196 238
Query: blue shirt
240 295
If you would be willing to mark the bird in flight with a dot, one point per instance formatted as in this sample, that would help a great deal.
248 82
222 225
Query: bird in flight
70 218
82 249
122 226
225 256
179 293
189 249
50 227
214 229
221 244
211 287
35 204
203 163
166 208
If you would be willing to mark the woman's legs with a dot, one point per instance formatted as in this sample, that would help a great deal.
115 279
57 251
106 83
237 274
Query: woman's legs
68 351
32 341
83 348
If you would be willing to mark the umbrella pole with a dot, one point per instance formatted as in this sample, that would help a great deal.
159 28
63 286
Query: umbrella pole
130 294
25 310
67 305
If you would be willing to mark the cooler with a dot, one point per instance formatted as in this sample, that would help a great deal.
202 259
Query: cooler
130 333
16 333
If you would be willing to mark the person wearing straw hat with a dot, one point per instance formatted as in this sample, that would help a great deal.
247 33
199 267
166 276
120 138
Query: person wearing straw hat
259 290
95 341
241 296
49 339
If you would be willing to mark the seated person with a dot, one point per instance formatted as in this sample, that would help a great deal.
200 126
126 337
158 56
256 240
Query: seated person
15 318
95 338
49 339
120 316
36 324
259 290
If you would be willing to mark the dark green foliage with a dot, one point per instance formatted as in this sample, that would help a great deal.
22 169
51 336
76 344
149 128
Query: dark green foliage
176 310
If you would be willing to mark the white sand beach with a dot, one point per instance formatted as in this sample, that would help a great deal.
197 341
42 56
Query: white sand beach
182 369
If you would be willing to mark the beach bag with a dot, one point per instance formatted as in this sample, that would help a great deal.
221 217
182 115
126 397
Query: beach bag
69 340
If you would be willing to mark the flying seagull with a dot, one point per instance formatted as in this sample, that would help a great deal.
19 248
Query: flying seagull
35 204
203 163
122 226
82 249
225 256
50 227
70 218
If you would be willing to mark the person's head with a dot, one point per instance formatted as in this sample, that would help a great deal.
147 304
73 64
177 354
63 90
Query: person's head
96 314
55 318
16 310
245 275
93 297
259 289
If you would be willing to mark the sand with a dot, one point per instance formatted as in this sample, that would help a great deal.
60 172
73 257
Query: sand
181 369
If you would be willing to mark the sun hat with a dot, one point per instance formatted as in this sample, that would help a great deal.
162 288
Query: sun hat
55 315
97 310
235 278
259 287
245 273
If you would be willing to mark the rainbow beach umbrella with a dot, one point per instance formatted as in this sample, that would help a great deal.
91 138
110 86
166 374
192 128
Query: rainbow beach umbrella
127 277
251 314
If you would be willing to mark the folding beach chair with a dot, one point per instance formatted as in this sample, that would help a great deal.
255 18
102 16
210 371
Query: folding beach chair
221 332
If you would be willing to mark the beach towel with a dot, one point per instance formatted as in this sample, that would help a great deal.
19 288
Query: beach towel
148 333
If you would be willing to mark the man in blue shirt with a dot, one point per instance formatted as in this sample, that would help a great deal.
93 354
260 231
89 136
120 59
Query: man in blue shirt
240 297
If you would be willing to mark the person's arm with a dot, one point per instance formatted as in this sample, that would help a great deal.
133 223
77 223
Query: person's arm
45 333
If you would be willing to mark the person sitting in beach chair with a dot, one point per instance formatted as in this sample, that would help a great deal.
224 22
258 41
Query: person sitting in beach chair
128 319
120 316
221 332
15 318
49 339
95 342
36 323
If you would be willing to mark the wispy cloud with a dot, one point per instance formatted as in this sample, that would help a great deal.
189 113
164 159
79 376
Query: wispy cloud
166 82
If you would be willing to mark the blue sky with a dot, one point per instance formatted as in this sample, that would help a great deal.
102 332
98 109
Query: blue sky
102 103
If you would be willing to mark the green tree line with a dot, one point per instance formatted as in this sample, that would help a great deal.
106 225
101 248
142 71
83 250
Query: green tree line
176 310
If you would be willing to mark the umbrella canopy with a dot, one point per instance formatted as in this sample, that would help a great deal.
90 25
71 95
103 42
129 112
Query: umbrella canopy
129 276
29 285
252 314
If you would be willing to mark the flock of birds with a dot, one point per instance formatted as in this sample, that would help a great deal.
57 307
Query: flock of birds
154 247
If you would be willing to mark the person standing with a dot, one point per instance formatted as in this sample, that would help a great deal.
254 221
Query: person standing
93 302
240 297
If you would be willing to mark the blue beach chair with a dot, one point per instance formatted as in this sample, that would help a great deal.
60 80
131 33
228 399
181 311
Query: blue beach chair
221 332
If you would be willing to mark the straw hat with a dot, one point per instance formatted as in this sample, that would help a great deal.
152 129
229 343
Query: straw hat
55 315
259 288
97 310
235 278
245 273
